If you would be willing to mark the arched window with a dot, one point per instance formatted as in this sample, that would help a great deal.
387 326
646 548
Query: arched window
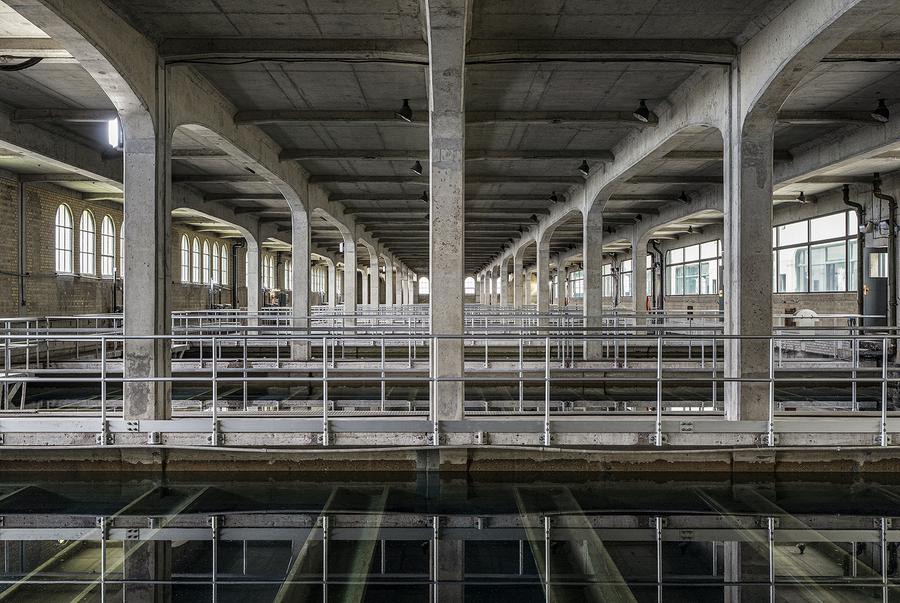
185 259
470 286
195 261
86 234
288 276
64 239
107 248
269 273
215 263
206 263
223 265
122 249
424 287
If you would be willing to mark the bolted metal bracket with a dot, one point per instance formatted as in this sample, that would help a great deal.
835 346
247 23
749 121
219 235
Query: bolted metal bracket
877 440
1 439
655 440
133 534
479 523
133 426
153 522
102 524
213 522
325 439
104 438
687 427
154 437
480 438
763 439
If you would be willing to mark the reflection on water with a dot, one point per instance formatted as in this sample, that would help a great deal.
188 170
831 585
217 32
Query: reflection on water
423 539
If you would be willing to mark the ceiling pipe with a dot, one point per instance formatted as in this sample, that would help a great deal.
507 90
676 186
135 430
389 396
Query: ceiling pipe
892 250
860 249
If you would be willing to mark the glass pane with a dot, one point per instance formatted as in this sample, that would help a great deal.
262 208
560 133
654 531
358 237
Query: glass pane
626 266
828 267
709 277
676 256
851 264
792 234
626 284
828 227
691 279
792 276
709 250
692 253
878 264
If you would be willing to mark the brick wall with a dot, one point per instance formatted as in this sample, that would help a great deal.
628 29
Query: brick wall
49 293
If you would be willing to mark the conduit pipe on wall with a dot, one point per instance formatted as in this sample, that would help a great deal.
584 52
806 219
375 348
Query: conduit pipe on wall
860 248
658 261
892 249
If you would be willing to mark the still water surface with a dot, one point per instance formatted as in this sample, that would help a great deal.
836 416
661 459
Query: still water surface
417 538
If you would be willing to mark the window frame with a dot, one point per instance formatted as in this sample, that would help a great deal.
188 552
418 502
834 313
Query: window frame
849 240
87 244
686 266
64 240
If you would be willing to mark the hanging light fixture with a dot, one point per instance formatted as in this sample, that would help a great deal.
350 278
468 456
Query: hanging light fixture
642 113
684 198
881 114
584 168
405 113
417 169
554 198
424 196
534 218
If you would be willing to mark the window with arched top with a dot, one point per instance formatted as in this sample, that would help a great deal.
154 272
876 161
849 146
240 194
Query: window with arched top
223 265
107 247
64 239
288 275
195 260
185 259
469 286
215 264
424 286
86 236
122 249
206 263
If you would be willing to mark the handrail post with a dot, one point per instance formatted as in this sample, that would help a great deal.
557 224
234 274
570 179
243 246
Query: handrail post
382 374
103 426
770 427
659 390
546 437
325 392
215 392
882 437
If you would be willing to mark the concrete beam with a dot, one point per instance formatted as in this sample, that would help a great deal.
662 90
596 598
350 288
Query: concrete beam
39 116
668 50
675 179
396 52
817 118
26 48
414 155
215 178
413 179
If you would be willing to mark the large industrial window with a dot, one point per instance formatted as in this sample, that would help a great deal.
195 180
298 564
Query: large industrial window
607 280
122 249
223 265
694 270
185 259
107 248
86 239
195 261
816 255
626 269
288 276
64 238
470 286
214 275
576 284
424 286
650 275
207 265
317 278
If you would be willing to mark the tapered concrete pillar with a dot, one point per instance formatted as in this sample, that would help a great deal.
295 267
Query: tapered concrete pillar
639 276
364 273
332 283
504 282
518 281
349 275
253 276
147 277
560 292
300 266
543 276
374 280
593 279
388 282
446 26
748 268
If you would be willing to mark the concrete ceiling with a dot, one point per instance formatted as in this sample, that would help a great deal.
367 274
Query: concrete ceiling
333 113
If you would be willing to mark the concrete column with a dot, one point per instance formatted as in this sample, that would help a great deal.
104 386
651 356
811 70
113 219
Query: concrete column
593 278
748 267
639 276
374 280
332 284
504 282
446 24
543 276
388 282
365 286
253 276
518 281
560 283
492 287
401 284
300 266
147 276
349 275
